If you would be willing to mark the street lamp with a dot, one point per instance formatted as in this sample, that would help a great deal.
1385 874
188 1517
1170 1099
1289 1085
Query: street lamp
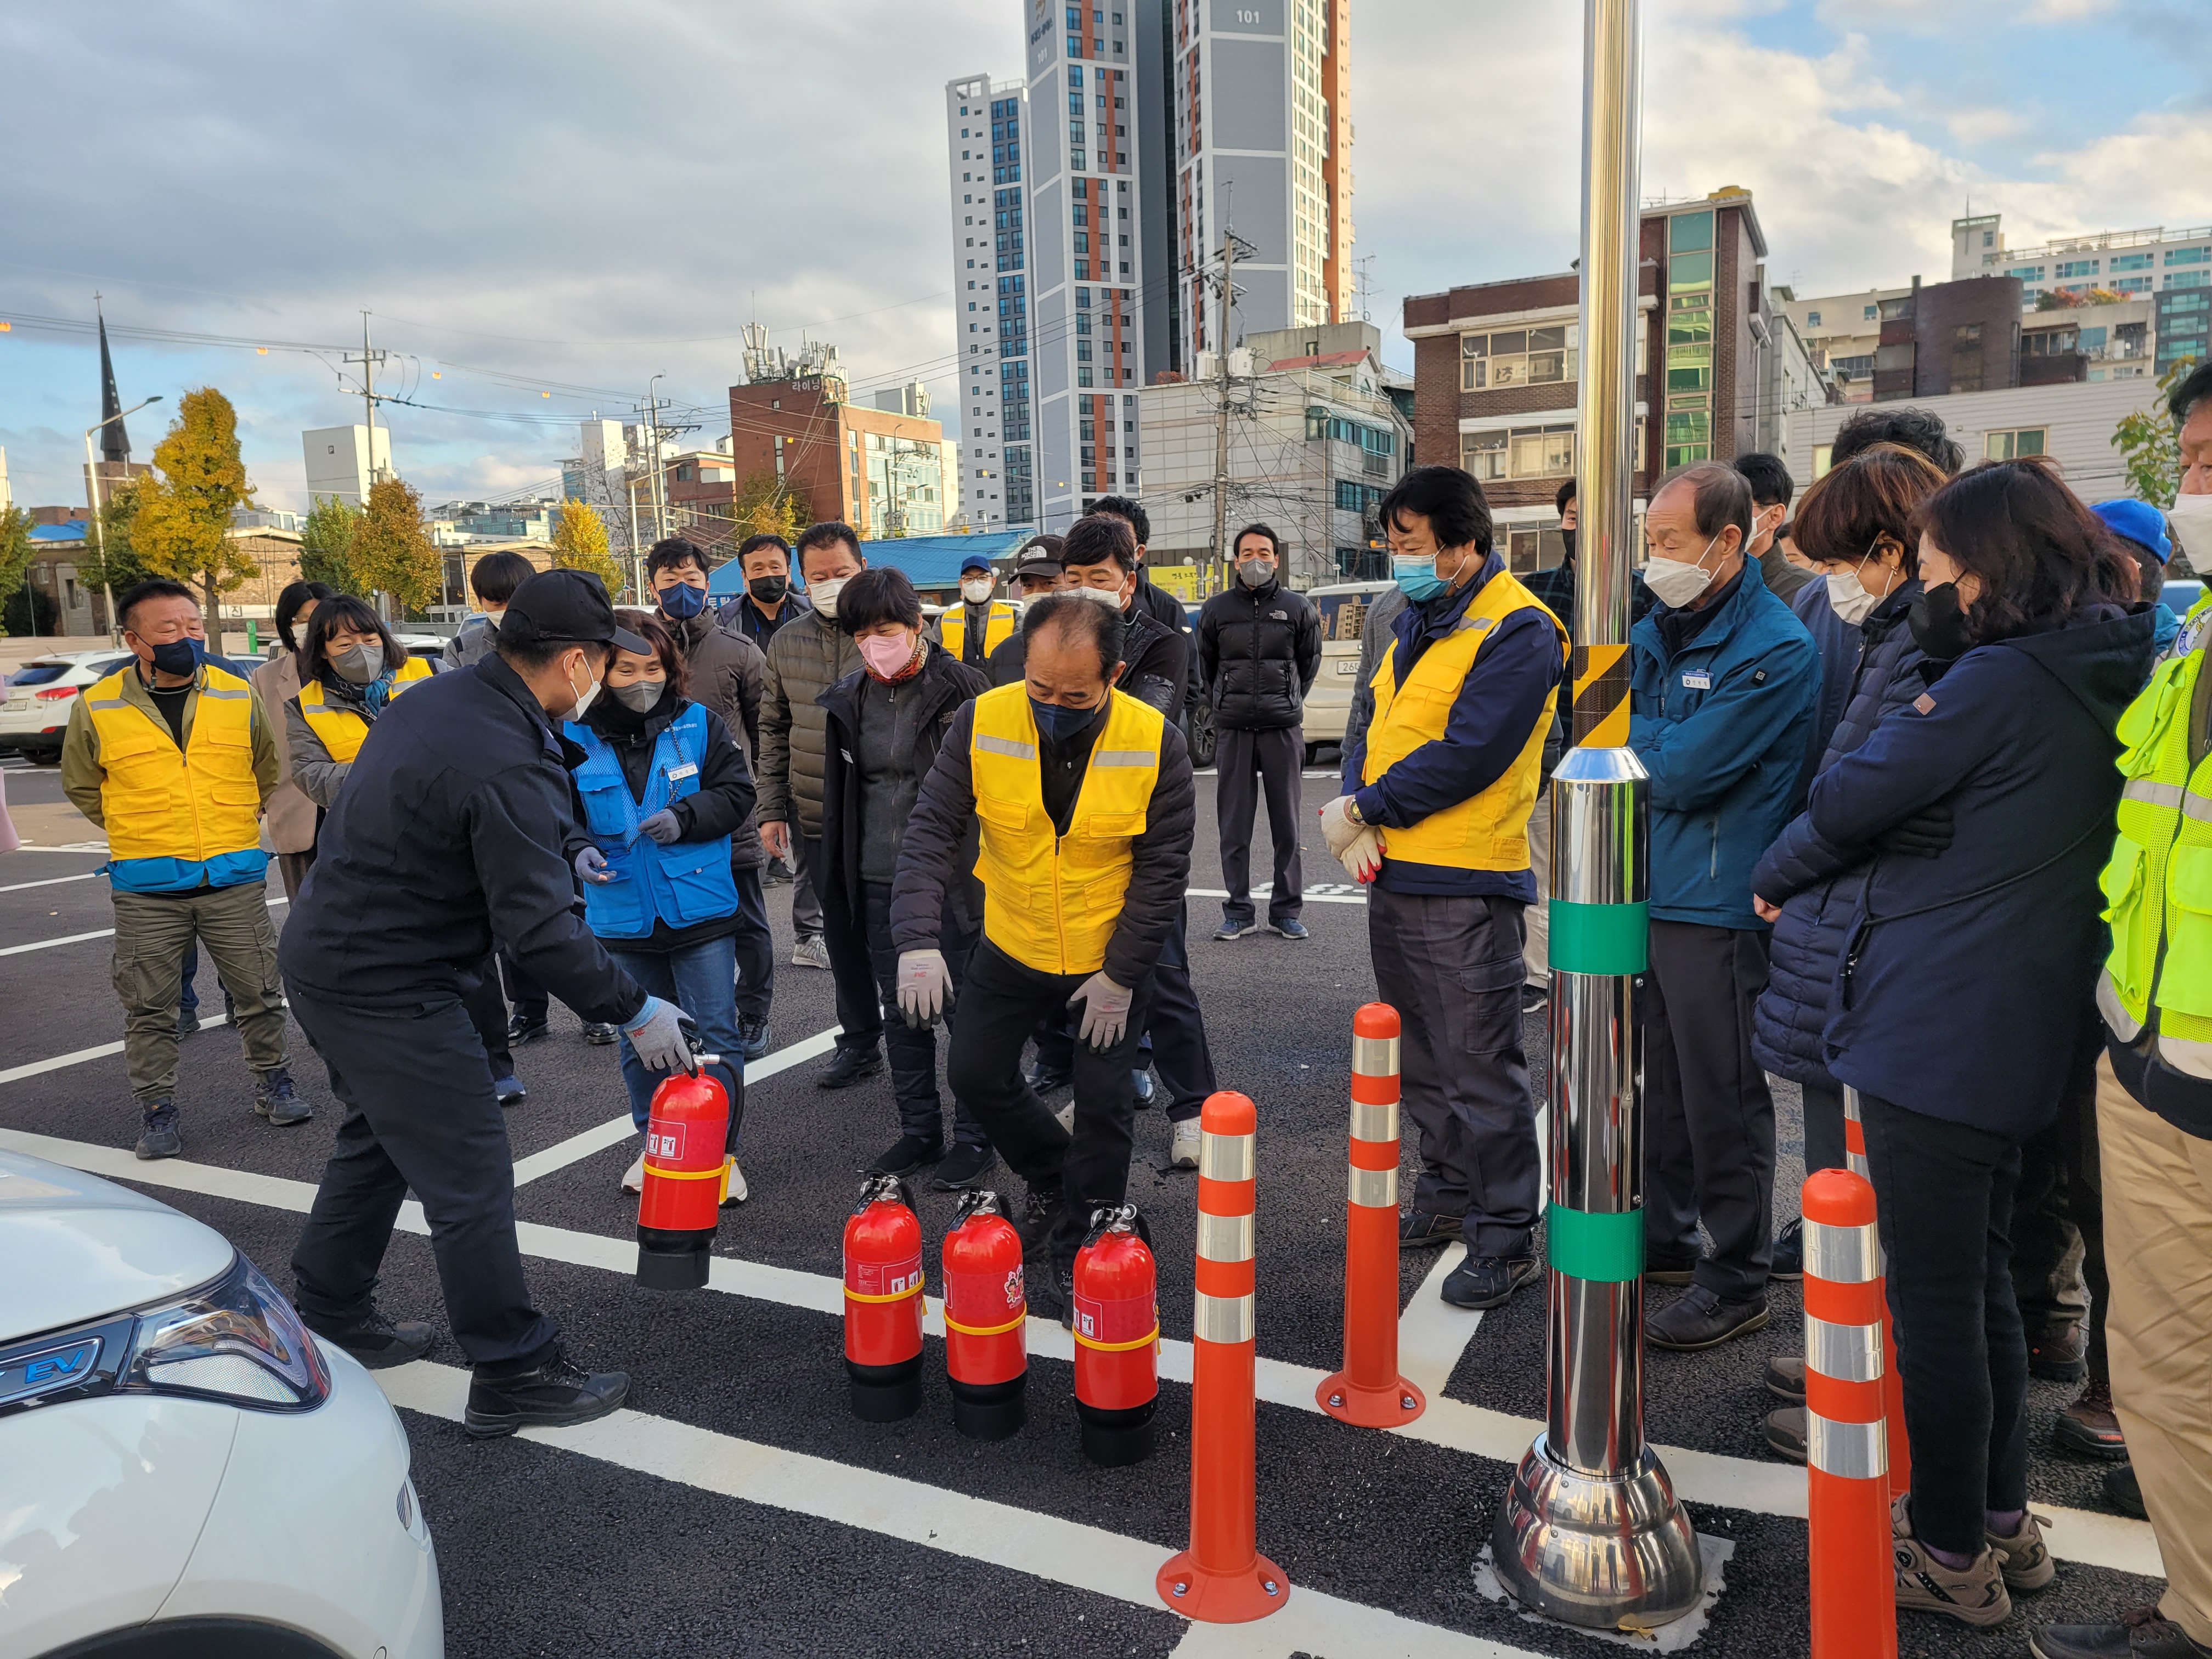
99 530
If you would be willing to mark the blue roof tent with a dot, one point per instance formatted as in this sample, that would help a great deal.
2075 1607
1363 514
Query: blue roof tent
928 560
72 533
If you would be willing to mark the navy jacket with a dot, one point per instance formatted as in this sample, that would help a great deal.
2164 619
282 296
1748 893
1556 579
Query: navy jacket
1838 644
449 833
1499 703
1816 884
1720 725
744 618
1966 992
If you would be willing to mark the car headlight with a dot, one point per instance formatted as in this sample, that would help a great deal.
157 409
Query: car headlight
236 1339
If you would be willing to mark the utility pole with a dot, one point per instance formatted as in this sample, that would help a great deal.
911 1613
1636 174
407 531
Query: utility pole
368 360
1221 407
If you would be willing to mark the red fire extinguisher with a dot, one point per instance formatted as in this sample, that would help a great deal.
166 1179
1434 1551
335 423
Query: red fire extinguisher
1117 1337
687 1175
883 1302
986 1314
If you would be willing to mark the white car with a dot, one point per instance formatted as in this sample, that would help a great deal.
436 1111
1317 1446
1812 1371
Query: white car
34 710
184 1468
1343 610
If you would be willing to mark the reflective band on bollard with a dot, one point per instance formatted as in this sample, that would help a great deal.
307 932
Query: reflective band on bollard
1369 1391
1900 1449
1847 1487
1222 1578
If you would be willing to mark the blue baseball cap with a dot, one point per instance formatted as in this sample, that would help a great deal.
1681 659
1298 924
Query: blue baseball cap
975 562
2139 521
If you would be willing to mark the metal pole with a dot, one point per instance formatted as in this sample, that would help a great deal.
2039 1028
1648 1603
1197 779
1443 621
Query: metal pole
1590 1531
1221 411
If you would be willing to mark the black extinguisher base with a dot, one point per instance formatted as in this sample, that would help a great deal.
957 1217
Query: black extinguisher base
672 1261
991 1410
885 1393
1113 1439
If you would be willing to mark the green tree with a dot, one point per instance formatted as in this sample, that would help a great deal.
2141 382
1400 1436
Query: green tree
391 551
326 543
15 550
580 542
2149 444
183 523
110 559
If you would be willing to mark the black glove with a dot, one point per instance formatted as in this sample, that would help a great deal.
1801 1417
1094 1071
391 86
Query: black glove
1925 835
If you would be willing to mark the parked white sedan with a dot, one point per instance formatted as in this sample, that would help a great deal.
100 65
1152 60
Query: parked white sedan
35 703
184 1468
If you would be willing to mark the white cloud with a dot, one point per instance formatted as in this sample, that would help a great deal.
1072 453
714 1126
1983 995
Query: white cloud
1982 125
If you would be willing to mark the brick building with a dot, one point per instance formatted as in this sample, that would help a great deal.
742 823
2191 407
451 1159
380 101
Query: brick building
1496 365
879 470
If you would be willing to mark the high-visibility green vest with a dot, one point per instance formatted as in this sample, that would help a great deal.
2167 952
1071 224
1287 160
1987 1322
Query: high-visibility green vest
2158 886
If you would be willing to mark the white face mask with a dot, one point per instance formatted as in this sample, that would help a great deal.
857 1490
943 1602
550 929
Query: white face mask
1105 596
1851 597
977 589
585 698
2191 517
1674 583
824 593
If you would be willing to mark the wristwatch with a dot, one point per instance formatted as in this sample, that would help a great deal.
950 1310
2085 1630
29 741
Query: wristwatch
1351 809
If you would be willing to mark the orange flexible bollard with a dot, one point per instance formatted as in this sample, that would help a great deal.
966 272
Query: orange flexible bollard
1854 1583
1222 1578
1892 1383
1369 1391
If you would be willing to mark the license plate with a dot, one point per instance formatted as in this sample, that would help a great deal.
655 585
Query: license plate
1348 668
17 705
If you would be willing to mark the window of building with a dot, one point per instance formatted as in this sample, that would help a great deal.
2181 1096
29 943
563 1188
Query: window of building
1870 313
2131 261
1521 357
1823 458
2012 445
1811 320
2027 273
2188 256
2077 268
2188 279
1529 451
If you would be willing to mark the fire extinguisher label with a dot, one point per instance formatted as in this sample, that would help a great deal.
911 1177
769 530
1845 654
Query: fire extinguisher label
663 1140
881 1279
984 1299
1130 1320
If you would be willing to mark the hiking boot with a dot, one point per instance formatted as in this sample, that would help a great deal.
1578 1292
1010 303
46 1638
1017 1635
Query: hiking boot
1417 1229
2139 1633
811 952
1789 1251
963 1166
1785 1433
274 1099
1184 1140
1487 1281
1974 1594
1039 1214
2122 1490
379 1343
2023 1558
1701 1320
1785 1377
157 1133
906 1155
752 1038
2059 1352
851 1066
551 1395
2090 1427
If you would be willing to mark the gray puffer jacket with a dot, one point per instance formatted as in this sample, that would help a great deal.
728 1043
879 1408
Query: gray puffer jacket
807 656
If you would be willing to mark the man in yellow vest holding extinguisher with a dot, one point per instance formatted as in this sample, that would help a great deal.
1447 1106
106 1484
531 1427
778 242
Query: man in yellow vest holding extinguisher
173 757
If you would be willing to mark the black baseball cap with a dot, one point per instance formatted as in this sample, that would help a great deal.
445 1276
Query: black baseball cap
565 606
1039 556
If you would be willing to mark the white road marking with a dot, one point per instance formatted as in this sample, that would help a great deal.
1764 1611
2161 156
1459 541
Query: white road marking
60 1062
1760 1487
79 939
1044 1547
1311 895
1432 1334
50 881
64 847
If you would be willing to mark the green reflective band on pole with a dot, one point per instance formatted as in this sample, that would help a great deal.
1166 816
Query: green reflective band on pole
1600 939
1585 1245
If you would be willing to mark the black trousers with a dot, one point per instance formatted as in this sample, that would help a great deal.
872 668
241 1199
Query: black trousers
1177 1029
860 1016
2058 1221
528 997
488 1013
913 1052
1450 964
1002 1000
756 948
419 1114
1249 761
1943 1196
1709 1117
1824 1125
805 902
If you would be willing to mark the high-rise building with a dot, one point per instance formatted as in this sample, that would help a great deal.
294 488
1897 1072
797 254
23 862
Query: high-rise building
985 133
2122 261
1260 125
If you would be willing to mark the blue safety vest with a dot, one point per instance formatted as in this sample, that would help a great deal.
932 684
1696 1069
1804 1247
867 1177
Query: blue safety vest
682 884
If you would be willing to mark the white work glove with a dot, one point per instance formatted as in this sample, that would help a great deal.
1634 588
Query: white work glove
1362 857
925 986
1105 1011
656 1033
591 865
1340 827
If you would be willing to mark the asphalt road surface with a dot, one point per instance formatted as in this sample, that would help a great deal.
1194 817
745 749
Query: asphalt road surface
736 1506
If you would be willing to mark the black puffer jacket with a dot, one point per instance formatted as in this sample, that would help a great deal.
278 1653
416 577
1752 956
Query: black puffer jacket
1260 648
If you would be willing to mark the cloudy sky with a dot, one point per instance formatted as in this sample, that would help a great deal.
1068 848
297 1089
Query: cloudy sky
544 205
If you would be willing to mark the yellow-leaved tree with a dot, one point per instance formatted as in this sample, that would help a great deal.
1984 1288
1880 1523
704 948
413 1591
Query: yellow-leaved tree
184 506
580 542
391 551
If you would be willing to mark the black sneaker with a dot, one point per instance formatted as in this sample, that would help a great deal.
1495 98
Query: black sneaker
962 1168
752 1038
1039 1214
1785 1377
2122 1490
553 1396
1048 1079
1417 1229
379 1343
1534 997
2138 1633
906 1155
598 1031
1487 1281
523 1029
274 1099
1289 928
1140 1088
157 1134
852 1065
1789 1251
1785 1433
188 1021
1701 1320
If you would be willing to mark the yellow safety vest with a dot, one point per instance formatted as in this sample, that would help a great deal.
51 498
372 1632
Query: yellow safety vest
2158 886
161 802
1050 901
1488 831
341 730
998 627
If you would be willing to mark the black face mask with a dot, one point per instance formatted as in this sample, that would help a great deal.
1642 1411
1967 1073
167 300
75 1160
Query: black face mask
1939 626
1568 537
768 589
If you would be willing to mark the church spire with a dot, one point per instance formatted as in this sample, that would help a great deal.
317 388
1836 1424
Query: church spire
114 441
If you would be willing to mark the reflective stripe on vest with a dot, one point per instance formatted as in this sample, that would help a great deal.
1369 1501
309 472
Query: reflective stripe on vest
341 730
1050 901
161 802
998 627
1487 831
2158 883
